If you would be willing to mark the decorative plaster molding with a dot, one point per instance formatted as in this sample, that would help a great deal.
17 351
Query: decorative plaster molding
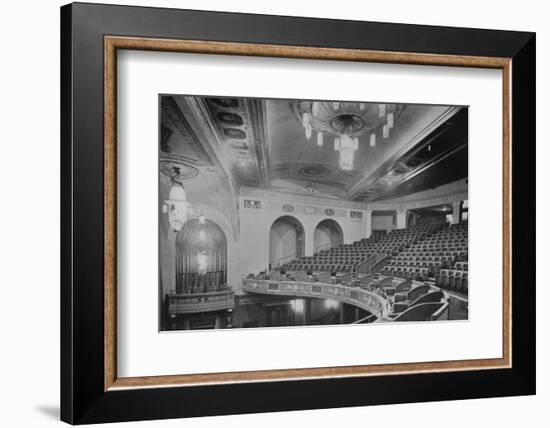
428 202
213 142
316 205
354 296
371 179
259 141
304 209
173 115
170 164
298 198
252 204
440 200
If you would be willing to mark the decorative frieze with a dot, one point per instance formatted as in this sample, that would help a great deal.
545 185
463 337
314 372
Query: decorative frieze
294 199
421 203
252 204
304 209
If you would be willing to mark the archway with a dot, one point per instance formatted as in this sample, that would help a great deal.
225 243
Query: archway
328 234
286 240
412 218
201 257
433 214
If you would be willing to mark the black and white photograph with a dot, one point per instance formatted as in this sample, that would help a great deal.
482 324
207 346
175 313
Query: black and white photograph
294 212
259 214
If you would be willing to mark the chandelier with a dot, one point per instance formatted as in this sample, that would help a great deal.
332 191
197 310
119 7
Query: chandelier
347 147
347 123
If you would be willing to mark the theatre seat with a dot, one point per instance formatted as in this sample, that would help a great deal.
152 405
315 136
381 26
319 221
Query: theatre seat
424 312
417 292
418 295
400 290
412 294
366 280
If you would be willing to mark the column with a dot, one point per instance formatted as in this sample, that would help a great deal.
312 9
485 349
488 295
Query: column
168 261
401 219
309 237
368 223
456 212
307 311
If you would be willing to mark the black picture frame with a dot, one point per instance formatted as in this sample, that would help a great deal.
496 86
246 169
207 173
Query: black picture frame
83 396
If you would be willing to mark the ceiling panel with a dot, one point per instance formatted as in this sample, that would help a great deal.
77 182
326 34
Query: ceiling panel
264 143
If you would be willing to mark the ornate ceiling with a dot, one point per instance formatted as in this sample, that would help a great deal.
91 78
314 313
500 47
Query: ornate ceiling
235 142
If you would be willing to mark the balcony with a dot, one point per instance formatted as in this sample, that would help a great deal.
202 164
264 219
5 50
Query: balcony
189 303
354 296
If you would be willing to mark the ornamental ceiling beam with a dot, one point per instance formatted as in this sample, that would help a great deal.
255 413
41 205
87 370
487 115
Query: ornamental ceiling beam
369 180
256 112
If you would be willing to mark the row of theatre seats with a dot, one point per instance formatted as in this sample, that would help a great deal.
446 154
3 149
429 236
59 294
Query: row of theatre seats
346 257
424 252
453 279
442 255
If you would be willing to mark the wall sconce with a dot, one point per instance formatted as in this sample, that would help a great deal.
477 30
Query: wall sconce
176 206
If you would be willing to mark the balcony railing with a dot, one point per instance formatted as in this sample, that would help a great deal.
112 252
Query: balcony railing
354 296
188 303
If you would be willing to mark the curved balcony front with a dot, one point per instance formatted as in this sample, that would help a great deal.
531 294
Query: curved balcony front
354 296
189 303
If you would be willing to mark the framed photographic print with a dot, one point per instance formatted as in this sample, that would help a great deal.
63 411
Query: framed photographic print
265 213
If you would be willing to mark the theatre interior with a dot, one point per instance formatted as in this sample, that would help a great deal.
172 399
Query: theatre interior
285 213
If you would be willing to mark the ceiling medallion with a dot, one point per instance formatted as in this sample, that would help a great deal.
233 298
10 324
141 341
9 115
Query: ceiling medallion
171 165
314 171
347 122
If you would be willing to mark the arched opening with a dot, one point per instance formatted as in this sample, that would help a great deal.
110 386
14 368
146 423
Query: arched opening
286 241
437 214
201 257
383 221
328 234
412 218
